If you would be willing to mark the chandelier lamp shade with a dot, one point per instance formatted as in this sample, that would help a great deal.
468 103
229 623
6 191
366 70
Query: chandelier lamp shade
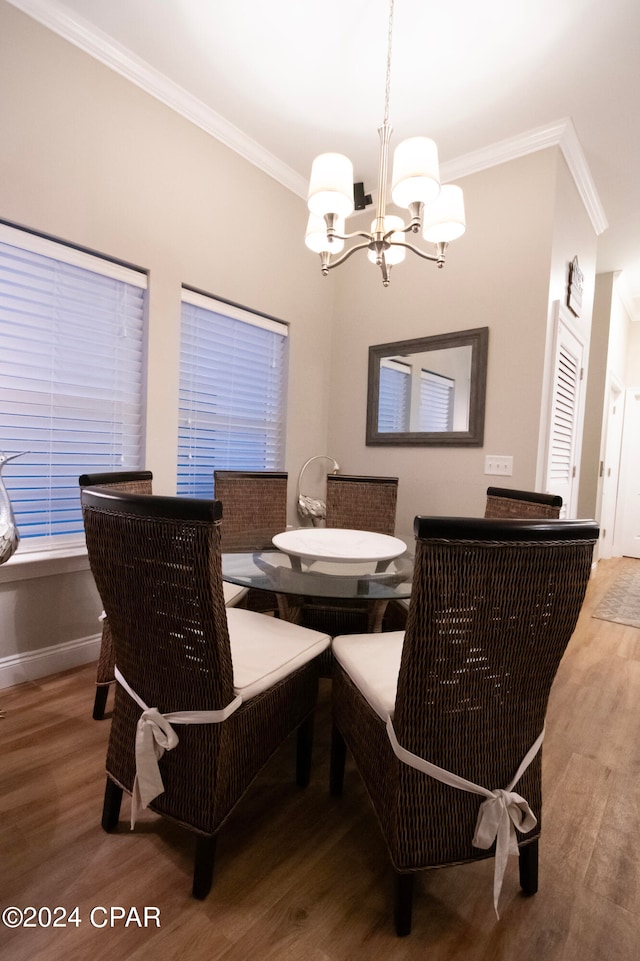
435 210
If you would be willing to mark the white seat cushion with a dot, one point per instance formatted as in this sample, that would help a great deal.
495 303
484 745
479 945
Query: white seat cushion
233 593
372 661
266 649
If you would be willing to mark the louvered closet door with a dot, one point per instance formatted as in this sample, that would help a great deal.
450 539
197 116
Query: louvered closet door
563 459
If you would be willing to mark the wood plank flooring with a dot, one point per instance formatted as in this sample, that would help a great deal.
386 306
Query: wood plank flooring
304 877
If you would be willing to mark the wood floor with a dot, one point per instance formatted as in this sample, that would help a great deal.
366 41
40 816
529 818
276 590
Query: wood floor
304 877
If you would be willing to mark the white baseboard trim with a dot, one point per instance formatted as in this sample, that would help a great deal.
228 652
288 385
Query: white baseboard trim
30 665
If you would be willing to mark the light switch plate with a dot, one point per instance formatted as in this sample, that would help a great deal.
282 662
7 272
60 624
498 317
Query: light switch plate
498 464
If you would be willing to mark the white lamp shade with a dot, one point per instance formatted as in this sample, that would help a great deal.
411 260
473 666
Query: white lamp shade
416 174
316 236
393 255
331 185
444 218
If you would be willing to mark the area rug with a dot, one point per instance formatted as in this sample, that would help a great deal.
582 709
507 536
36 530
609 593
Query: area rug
621 603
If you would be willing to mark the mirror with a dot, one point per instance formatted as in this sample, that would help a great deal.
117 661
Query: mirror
429 391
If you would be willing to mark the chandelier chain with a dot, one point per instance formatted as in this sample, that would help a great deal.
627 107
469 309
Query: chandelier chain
387 88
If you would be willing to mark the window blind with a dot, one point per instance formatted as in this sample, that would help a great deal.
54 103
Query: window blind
233 372
436 402
393 397
71 377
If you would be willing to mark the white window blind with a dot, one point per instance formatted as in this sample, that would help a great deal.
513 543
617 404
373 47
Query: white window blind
233 375
436 402
394 396
71 376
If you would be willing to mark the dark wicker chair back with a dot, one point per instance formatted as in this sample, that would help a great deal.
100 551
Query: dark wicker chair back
362 503
135 482
502 502
254 507
493 606
156 562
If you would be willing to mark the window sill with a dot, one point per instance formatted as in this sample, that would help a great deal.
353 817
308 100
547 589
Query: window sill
29 564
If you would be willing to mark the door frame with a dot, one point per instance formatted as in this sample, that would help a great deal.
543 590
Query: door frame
625 484
609 473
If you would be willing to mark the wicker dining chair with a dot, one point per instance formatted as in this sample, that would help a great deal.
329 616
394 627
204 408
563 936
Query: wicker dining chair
135 482
362 503
254 507
465 688
220 688
502 502
505 503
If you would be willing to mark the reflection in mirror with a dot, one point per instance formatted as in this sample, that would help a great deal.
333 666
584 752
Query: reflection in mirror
429 390
425 392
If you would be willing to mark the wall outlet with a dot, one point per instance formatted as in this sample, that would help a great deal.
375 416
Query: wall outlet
498 464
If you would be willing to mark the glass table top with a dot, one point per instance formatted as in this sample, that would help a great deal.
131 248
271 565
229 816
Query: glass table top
273 570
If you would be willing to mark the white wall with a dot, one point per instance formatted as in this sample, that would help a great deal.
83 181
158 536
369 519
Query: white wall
614 363
89 158
504 274
590 488
632 366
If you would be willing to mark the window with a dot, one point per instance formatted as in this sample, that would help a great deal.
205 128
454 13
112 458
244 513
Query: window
71 376
401 409
395 395
233 373
436 401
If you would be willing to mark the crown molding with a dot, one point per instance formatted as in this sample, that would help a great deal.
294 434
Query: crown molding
577 163
560 133
100 46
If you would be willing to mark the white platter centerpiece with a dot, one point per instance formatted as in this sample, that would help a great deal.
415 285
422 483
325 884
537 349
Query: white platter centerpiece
340 545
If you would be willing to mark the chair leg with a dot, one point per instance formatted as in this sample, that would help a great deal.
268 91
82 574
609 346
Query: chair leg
403 902
203 868
529 867
337 763
100 701
304 749
111 806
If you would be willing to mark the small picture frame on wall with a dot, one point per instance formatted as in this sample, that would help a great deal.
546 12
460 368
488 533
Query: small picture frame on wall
574 289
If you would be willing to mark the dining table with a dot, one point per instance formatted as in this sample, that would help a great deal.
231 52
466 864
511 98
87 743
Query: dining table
327 569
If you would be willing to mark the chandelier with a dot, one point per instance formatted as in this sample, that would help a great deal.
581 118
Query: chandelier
437 211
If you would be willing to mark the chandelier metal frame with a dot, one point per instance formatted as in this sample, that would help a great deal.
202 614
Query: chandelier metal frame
381 240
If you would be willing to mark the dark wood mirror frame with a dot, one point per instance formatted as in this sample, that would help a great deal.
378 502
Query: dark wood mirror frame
478 340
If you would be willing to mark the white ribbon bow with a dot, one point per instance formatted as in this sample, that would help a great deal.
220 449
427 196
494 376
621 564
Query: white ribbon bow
154 736
500 815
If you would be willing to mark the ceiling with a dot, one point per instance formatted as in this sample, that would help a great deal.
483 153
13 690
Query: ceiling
284 80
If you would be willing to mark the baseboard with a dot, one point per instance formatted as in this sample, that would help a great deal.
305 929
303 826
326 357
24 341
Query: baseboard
30 665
